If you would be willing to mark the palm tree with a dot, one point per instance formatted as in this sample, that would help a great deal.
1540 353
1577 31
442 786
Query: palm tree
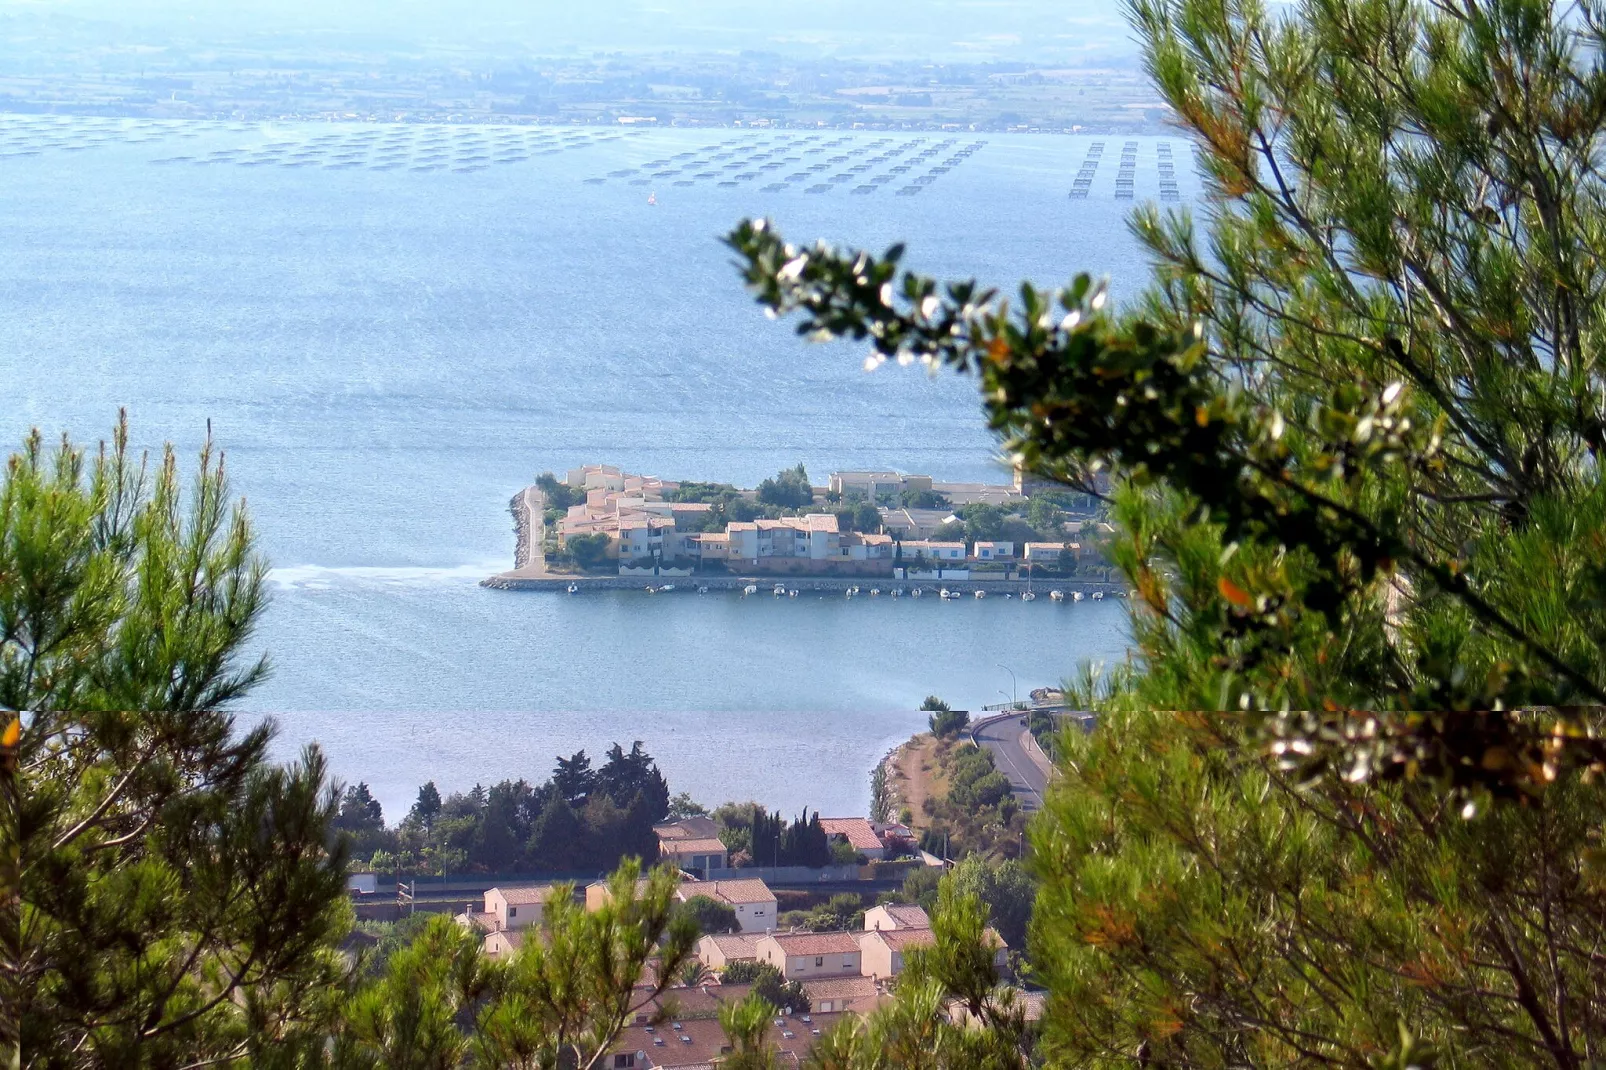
695 973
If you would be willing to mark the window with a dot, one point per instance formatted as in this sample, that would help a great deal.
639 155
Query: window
512 912
624 1059
819 960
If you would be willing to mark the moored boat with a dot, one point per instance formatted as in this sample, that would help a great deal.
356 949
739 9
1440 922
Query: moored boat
1057 596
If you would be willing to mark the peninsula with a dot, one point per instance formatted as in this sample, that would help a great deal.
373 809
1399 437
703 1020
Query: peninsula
599 526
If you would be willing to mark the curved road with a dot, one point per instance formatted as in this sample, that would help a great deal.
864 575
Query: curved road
1016 755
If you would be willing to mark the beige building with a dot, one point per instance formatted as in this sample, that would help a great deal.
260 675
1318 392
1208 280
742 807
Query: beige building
872 485
692 845
895 916
804 956
856 995
857 833
752 900
517 906
503 943
883 950
721 949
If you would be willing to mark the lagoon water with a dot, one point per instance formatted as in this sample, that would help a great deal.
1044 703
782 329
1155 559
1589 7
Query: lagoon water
393 328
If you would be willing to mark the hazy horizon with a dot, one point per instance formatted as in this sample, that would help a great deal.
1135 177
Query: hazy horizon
1034 31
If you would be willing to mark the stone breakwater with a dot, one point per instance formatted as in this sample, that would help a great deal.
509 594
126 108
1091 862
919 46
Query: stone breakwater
766 585
521 530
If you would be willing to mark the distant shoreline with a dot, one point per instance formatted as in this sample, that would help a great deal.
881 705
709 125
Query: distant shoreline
510 581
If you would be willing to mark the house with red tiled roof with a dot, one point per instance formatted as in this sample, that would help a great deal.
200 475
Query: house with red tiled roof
883 950
697 1043
896 916
692 844
719 950
804 956
752 900
857 833
855 995
517 906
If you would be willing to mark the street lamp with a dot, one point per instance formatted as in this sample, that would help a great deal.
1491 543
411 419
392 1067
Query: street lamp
1013 690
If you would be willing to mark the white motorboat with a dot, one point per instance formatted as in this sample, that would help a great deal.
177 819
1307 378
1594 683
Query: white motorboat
981 594
945 595
780 589
1056 596
874 591
574 588
1076 596
667 587
792 593
751 588
897 592
1027 596
651 589
702 590
1098 596
916 593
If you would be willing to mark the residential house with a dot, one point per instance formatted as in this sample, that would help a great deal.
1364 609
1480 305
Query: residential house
1046 553
992 550
884 949
517 906
701 1043
752 900
937 552
857 833
896 916
692 845
854 995
803 956
872 485
913 523
503 943
987 493
719 950
597 893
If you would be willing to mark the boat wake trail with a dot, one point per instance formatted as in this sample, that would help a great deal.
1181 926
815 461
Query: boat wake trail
322 577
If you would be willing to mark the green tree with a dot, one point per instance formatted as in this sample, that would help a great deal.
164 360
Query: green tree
1005 888
788 489
881 798
710 915
1353 433
1045 517
866 517
427 806
561 1001
588 551
944 721
746 1023
982 521
166 895
558 495
683 806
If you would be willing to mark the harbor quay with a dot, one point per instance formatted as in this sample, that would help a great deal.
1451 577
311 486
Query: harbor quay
766 585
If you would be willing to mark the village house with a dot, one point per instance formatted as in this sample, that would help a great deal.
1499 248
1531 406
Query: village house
857 833
517 906
940 553
802 956
990 550
895 916
853 995
692 844
598 895
872 485
718 950
701 1043
752 900
914 523
883 950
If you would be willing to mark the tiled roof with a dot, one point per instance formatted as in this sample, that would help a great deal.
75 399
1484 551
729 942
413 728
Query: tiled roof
840 988
816 943
736 945
907 916
676 848
700 1042
687 828
518 895
735 892
861 837
903 939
